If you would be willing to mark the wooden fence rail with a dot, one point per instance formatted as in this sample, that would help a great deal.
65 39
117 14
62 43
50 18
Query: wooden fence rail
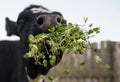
108 51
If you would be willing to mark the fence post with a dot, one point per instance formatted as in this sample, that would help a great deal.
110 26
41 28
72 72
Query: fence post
116 62
103 52
107 53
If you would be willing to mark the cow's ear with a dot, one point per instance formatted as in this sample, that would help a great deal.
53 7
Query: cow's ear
11 27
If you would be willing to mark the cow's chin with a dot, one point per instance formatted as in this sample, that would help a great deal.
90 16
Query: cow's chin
39 78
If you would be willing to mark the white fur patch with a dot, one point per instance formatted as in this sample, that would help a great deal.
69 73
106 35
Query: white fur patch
37 10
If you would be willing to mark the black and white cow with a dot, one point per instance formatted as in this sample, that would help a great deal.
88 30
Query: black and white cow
33 20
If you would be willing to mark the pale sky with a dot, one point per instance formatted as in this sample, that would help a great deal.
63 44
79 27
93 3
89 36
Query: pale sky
102 13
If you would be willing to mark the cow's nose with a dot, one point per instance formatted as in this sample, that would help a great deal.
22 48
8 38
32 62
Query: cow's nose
46 20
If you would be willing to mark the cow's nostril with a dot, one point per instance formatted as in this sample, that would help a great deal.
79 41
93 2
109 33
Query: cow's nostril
59 19
40 21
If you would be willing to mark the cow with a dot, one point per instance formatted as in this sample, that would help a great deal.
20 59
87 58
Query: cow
34 20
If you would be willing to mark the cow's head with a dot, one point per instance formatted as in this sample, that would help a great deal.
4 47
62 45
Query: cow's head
34 20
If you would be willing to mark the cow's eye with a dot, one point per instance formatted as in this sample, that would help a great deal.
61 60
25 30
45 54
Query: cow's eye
20 21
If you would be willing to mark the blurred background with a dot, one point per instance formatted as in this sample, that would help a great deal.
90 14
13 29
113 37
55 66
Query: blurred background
102 13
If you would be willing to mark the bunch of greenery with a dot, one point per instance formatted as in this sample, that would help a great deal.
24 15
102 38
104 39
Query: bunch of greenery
60 38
